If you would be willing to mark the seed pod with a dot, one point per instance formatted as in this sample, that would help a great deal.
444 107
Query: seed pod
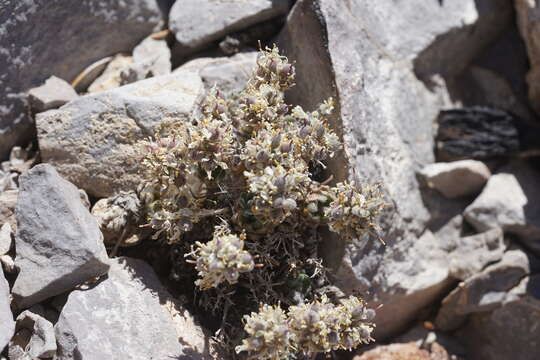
289 204
276 140
286 147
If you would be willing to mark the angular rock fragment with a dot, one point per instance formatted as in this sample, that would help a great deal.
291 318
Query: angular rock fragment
509 201
5 238
228 74
197 23
34 337
82 32
54 93
474 253
485 291
112 75
151 58
476 133
395 352
8 201
58 241
7 325
457 178
128 315
91 140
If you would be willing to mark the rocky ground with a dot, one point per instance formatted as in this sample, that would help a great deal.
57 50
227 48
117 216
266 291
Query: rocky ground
437 100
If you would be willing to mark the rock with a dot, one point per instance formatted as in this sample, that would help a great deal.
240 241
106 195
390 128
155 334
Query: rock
250 37
51 95
456 179
112 75
41 342
197 23
408 351
421 273
508 332
18 162
82 32
118 218
8 181
476 133
8 264
528 15
437 343
228 74
508 202
58 241
474 253
368 56
136 307
5 238
7 325
8 201
150 58
484 291
91 140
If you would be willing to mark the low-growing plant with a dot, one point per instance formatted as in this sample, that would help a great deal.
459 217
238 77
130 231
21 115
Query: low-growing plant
236 193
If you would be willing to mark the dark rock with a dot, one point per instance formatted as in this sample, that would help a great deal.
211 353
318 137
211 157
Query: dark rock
82 32
476 133
58 242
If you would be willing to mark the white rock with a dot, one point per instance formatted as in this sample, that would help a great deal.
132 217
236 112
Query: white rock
58 242
91 140
54 93
128 315
457 178
5 238
151 58
509 202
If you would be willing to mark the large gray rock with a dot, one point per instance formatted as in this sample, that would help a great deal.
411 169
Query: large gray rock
510 331
54 93
7 324
128 315
509 201
196 23
91 140
457 178
58 242
485 291
81 32
366 55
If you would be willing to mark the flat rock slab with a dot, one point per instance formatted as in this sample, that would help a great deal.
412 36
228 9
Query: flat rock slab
476 133
457 178
7 324
196 23
126 316
61 38
58 242
91 140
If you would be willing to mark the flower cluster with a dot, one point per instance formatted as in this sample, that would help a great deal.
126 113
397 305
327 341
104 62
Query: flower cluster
251 164
316 327
221 259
